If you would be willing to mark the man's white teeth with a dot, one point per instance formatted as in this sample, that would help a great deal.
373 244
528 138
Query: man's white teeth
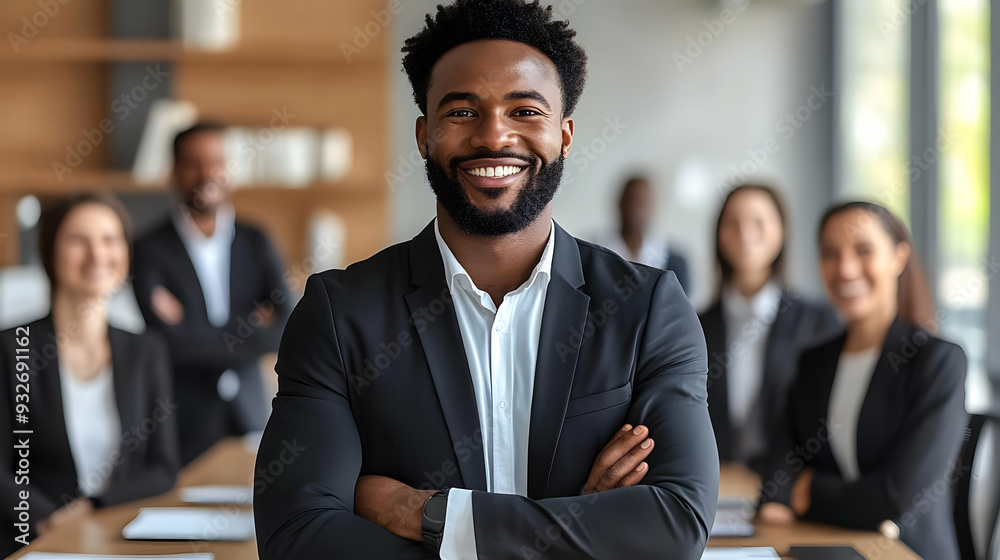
498 171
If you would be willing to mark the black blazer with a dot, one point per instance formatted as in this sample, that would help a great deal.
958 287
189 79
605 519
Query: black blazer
373 379
149 458
200 351
678 265
909 433
798 325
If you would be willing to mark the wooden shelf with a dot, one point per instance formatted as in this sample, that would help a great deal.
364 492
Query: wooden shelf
289 59
116 50
91 50
46 182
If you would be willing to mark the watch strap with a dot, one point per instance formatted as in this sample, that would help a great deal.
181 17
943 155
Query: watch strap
431 525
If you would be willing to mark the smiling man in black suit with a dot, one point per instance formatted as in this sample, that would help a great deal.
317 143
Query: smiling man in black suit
213 286
494 388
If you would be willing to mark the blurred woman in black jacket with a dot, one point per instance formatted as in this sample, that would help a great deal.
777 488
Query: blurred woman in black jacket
95 402
875 416
756 327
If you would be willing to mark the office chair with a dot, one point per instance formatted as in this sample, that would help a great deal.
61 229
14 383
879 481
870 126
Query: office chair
977 491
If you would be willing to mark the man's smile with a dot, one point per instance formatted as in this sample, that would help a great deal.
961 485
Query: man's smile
493 173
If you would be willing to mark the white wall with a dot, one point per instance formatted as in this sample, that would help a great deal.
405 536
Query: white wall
685 127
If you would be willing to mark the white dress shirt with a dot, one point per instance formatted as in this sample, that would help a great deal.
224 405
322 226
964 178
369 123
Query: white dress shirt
501 345
850 385
210 256
93 427
748 324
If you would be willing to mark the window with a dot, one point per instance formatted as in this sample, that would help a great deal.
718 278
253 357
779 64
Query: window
872 64
964 212
878 75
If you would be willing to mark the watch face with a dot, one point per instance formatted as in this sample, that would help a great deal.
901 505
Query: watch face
435 507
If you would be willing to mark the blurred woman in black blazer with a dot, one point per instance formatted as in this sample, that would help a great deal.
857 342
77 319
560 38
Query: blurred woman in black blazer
756 327
877 415
98 401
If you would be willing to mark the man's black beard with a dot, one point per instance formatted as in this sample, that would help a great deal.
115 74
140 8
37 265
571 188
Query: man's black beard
538 191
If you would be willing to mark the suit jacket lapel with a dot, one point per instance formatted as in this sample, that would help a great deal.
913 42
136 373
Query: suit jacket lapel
781 333
718 394
821 379
47 416
241 260
881 389
123 363
192 284
442 344
565 309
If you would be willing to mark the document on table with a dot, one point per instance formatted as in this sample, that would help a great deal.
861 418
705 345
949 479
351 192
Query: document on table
70 556
218 495
731 522
190 524
748 553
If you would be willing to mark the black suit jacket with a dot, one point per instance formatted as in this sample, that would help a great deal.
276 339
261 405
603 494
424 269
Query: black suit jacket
373 379
909 433
200 351
678 265
149 458
798 325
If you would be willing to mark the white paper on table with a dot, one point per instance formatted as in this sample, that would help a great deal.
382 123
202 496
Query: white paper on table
194 524
746 553
731 522
71 556
218 495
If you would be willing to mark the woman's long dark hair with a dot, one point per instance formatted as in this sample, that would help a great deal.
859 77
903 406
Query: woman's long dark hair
778 266
915 305
55 213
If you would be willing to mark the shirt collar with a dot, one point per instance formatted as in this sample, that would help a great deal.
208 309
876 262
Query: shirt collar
455 273
225 226
736 306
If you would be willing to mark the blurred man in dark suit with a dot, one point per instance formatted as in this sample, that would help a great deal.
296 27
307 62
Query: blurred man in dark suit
634 240
214 287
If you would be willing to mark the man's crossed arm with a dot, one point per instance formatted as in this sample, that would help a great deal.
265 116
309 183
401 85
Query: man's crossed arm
316 506
398 507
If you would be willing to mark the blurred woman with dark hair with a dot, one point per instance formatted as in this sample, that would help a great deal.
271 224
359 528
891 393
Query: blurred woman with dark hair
876 416
97 400
756 327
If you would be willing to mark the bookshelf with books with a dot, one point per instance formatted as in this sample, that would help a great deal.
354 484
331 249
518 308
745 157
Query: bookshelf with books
56 105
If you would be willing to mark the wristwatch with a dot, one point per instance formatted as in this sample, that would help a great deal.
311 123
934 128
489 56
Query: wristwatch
432 524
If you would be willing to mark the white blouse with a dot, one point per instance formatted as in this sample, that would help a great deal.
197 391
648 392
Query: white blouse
850 385
748 326
93 427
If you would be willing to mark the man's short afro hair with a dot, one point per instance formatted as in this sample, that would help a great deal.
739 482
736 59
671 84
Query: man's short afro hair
513 20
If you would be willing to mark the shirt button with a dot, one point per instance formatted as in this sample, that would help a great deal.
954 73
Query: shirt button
500 326
503 404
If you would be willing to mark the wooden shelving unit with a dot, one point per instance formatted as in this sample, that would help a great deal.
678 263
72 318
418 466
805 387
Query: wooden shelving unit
118 50
289 58
47 183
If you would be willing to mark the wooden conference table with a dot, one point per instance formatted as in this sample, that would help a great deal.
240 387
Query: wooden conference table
231 462
736 481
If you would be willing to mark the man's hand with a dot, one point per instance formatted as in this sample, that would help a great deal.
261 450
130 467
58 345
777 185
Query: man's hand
773 513
802 493
80 507
267 316
620 463
392 504
166 306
